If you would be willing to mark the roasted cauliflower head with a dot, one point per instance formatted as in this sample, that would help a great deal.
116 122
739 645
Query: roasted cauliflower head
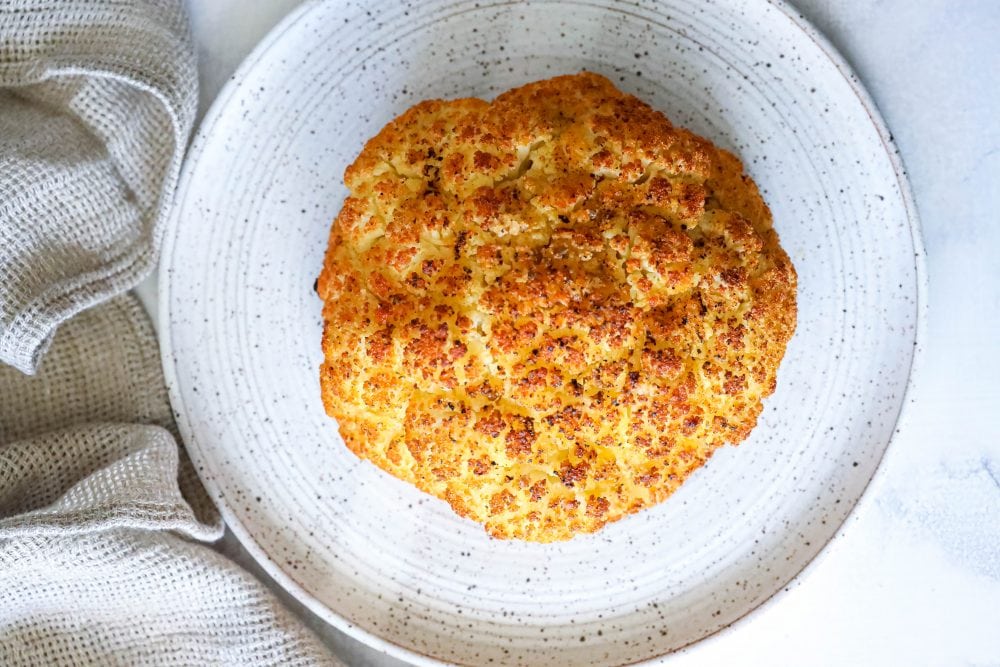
549 310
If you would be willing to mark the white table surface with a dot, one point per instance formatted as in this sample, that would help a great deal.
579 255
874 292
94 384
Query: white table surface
915 580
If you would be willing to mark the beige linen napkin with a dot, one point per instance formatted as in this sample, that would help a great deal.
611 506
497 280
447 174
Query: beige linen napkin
100 512
97 565
97 98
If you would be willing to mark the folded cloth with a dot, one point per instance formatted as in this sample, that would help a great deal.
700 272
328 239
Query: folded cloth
100 512
97 99
97 562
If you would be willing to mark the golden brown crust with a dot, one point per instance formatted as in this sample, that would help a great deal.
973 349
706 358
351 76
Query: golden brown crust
551 309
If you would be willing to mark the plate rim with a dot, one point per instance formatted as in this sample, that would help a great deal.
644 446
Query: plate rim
378 642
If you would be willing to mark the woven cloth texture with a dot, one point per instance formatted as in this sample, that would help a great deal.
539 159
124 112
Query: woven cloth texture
98 563
102 517
97 99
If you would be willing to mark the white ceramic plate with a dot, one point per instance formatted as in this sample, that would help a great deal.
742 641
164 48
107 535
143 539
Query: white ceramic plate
397 568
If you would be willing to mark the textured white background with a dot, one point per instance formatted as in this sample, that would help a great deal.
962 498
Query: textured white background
916 578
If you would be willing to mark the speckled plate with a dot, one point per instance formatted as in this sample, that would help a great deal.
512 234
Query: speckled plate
397 568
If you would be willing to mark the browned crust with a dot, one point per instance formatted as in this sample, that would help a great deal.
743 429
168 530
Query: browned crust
551 309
